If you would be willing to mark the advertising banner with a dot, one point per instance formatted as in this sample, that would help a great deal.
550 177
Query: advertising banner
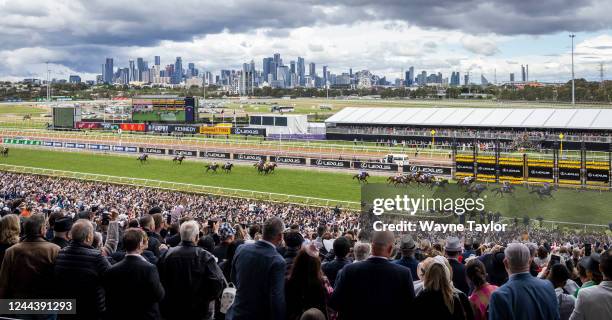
213 154
445 171
249 157
249 131
152 150
187 153
569 171
288 160
132 126
88 125
330 163
216 130
375 166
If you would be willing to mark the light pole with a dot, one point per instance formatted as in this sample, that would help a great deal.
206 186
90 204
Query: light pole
572 36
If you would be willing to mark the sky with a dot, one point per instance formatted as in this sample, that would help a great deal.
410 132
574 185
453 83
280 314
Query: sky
490 37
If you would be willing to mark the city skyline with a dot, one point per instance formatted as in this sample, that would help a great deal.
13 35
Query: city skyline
75 36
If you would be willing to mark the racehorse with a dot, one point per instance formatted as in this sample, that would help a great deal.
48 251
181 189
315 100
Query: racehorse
397 180
4 151
143 158
424 178
227 168
179 159
476 189
269 167
362 177
545 190
441 183
465 182
260 166
212 167
505 188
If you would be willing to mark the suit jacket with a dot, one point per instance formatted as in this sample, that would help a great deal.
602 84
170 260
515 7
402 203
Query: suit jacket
373 289
331 269
459 276
524 297
594 302
259 275
133 289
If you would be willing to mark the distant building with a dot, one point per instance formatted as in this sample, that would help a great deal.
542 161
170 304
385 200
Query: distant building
312 70
108 71
74 79
177 77
157 60
512 77
523 74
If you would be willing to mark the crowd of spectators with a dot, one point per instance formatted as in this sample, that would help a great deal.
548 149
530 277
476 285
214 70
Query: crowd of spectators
125 252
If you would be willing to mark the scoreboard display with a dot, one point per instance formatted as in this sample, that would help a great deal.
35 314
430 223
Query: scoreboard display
66 117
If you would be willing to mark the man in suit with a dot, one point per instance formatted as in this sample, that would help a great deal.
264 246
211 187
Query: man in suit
133 289
523 296
190 276
376 287
453 251
259 275
595 302
342 247
408 247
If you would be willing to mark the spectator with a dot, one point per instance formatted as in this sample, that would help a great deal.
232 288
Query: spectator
9 233
226 235
78 272
226 266
477 275
421 268
438 291
190 276
375 285
147 223
588 269
27 268
306 287
558 276
595 302
258 274
293 241
453 251
408 247
133 288
61 232
361 251
313 314
523 296
342 246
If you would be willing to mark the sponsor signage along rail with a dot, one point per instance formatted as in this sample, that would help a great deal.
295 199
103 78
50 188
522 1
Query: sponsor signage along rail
88 125
214 154
70 145
187 153
288 160
375 166
152 150
216 130
57 144
249 131
169 128
330 163
249 157
132 126
569 174
429 169
22 141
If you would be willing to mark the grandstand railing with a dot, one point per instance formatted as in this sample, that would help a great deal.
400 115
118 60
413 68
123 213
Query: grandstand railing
184 187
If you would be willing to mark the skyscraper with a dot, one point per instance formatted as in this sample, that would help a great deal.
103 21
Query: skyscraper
523 74
177 77
108 71
141 64
512 77
192 71
311 70
267 64
409 76
133 76
301 71
325 76
292 67
157 60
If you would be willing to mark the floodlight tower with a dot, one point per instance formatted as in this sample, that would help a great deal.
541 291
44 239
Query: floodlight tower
572 36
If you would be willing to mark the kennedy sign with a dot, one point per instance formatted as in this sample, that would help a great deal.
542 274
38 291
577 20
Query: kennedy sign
445 171
375 166
330 163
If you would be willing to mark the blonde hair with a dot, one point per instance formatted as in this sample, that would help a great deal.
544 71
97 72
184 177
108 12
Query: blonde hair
9 229
437 279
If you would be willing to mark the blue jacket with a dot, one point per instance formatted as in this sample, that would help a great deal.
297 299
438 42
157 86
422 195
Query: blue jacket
373 289
410 263
258 272
524 297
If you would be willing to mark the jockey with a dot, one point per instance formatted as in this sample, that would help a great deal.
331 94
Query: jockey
467 180
260 162
362 173
227 163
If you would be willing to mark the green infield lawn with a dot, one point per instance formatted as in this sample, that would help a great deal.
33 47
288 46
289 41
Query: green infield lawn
568 205
20 110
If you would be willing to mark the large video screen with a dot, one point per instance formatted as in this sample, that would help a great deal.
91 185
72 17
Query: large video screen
63 117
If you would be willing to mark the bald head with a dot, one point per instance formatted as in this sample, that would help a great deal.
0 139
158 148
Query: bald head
517 258
382 243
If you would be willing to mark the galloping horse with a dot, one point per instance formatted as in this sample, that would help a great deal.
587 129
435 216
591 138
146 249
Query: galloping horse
505 188
227 168
362 177
269 167
178 158
465 182
545 190
143 158
397 180
212 167
4 151
476 189
260 166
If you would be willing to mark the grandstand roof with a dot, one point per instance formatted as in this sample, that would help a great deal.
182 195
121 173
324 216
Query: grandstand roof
478 117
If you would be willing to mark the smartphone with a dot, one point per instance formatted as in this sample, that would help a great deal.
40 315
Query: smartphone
555 259
587 249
